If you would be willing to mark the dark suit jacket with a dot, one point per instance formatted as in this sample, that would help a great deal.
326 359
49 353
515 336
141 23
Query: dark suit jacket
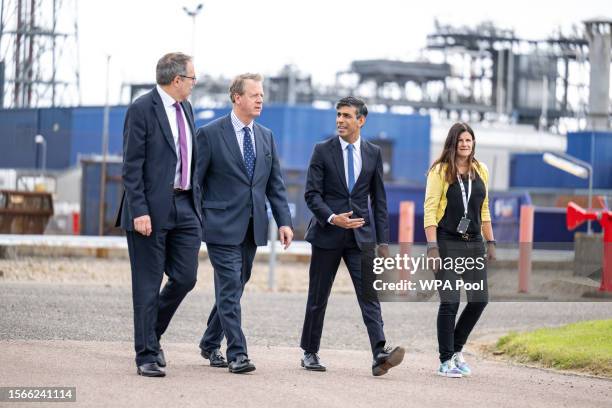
149 162
228 196
327 194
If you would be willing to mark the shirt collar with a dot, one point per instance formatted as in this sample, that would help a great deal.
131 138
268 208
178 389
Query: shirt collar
344 144
237 123
167 100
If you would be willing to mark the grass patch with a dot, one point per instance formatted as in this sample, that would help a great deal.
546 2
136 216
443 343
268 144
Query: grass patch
584 346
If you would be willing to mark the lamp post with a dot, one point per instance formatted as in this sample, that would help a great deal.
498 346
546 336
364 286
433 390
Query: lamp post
193 13
575 167
102 204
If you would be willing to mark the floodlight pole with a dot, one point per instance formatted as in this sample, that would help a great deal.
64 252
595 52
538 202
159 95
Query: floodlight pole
193 14
105 137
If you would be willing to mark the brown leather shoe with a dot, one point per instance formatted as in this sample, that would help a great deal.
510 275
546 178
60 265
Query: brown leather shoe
387 359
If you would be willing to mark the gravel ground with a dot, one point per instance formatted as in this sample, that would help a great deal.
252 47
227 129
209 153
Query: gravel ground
104 376
291 277
68 334
65 311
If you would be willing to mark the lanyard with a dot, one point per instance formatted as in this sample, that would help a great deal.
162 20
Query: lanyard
463 196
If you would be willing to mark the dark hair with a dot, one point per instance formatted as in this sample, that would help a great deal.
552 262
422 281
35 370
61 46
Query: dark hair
237 85
171 65
358 104
450 151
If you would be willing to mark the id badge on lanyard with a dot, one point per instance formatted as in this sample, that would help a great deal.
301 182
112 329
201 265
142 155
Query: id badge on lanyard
464 223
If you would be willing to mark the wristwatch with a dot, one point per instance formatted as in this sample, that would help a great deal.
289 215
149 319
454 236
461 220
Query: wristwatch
494 242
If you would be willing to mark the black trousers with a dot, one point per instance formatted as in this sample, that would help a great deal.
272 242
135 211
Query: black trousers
323 267
452 334
173 250
232 265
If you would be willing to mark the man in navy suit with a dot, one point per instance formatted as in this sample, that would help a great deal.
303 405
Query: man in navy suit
160 207
345 174
238 169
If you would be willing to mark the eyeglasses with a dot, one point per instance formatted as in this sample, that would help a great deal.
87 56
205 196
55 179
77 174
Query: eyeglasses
188 77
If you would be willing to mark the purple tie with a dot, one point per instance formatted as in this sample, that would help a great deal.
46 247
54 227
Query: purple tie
182 145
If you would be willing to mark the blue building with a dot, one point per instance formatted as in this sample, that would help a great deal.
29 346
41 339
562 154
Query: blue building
71 132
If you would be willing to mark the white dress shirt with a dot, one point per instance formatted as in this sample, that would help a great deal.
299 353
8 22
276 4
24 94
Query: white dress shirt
239 130
356 157
168 102
356 162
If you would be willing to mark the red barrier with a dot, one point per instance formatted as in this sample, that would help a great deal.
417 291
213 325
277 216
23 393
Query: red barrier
577 215
76 223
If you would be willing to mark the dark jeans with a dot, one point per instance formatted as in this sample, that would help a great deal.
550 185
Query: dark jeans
173 250
453 335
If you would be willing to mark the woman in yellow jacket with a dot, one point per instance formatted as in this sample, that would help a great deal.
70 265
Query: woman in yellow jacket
456 219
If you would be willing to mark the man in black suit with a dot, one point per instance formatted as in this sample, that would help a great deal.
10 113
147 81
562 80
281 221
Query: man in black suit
345 173
160 207
238 170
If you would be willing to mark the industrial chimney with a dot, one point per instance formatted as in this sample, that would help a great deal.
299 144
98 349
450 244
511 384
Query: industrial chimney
599 34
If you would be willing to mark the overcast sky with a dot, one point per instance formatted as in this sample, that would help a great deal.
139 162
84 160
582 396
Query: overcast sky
320 37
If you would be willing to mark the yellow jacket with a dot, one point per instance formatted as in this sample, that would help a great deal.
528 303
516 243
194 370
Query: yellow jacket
435 194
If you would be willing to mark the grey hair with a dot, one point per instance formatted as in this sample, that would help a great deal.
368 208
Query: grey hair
171 65
237 86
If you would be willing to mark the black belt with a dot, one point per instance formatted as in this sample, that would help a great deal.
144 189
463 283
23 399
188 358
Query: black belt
468 237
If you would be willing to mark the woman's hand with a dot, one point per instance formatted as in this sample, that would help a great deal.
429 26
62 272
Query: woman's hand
433 256
491 255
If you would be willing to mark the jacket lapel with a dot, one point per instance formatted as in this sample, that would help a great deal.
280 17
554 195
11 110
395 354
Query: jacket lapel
194 146
260 160
365 161
229 136
162 118
338 159
190 119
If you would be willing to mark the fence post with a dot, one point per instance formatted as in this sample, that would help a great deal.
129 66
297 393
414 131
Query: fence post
406 227
525 247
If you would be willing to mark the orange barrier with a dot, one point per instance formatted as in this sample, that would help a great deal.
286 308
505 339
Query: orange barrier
406 227
525 247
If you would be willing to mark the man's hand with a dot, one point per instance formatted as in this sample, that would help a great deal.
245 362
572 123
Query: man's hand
285 235
142 225
383 251
344 220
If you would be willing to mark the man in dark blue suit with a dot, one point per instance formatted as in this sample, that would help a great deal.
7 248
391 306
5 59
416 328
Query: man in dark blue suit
238 169
344 176
160 207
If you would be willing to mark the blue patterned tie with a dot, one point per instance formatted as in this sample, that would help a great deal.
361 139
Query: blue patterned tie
351 167
249 153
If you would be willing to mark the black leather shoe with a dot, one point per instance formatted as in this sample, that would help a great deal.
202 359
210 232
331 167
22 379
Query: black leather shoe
311 362
215 357
241 365
387 359
161 358
150 370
